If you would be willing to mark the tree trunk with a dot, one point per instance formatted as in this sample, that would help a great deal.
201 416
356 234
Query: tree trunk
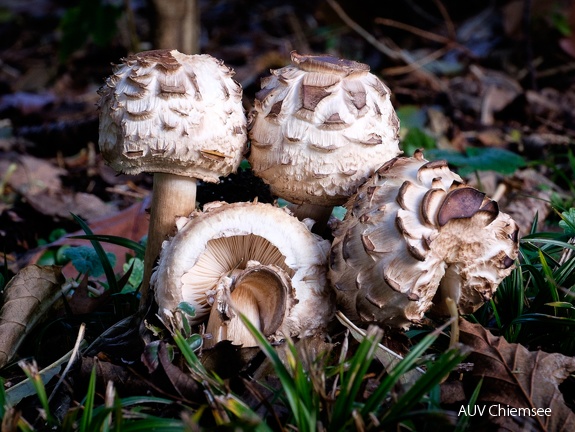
177 25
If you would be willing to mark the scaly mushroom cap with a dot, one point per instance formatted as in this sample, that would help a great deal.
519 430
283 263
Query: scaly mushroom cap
273 256
319 128
164 111
414 234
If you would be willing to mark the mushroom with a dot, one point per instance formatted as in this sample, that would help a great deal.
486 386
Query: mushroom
176 115
415 235
319 128
254 258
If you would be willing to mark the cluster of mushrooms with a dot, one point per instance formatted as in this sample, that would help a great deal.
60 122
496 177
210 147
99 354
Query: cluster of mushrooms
323 133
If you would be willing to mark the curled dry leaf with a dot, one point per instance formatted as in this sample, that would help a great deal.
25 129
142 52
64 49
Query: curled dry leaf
39 182
27 297
518 378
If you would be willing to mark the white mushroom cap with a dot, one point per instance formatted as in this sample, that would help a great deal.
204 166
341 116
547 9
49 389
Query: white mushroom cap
320 127
414 234
226 240
164 111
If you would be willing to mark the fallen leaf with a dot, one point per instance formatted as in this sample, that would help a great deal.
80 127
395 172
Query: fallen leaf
514 377
32 175
27 297
38 181
62 203
183 383
131 223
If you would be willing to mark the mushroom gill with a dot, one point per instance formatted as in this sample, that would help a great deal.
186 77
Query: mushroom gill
222 257
413 236
249 257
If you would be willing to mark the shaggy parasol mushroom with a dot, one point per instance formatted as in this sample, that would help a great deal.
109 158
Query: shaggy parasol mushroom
413 236
320 127
249 257
176 115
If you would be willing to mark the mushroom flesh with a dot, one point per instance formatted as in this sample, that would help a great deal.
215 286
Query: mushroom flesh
415 235
176 115
320 127
254 258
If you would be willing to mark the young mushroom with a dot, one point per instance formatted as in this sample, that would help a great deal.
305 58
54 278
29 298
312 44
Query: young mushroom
252 258
320 127
415 235
178 116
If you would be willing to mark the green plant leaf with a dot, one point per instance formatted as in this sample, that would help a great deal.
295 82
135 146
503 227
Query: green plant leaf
480 159
411 116
136 268
85 259
417 139
187 308
567 222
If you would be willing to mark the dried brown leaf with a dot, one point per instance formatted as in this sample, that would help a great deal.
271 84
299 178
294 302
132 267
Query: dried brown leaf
183 383
27 297
518 378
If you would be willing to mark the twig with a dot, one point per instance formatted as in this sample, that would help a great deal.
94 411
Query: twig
415 30
448 22
71 361
499 192
418 64
393 53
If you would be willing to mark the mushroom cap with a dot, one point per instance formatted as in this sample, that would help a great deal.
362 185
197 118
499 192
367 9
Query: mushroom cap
164 111
413 234
319 128
224 240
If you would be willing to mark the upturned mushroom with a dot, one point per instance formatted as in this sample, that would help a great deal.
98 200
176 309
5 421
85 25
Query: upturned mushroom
319 128
252 258
415 235
175 115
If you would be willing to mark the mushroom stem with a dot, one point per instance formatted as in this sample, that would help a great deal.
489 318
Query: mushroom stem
259 293
320 214
454 313
172 196
228 326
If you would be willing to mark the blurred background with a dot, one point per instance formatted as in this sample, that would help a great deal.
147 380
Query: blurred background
488 85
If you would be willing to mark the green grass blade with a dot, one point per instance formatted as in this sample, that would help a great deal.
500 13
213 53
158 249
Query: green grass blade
3 401
546 239
89 402
551 284
243 412
32 373
463 423
408 363
539 318
303 416
108 270
353 378
154 424
138 248
438 370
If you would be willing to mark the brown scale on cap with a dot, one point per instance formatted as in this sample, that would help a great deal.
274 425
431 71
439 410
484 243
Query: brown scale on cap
413 235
